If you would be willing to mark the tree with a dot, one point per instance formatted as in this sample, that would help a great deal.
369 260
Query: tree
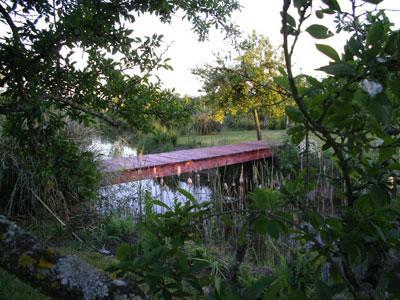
354 110
39 72
247 85
42 84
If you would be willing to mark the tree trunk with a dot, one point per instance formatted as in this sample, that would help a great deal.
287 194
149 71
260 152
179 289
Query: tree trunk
60 277
257 123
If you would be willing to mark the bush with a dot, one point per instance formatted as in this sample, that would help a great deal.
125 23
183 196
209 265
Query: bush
276 123
119 226
288 161
160 259
161 140
56 174
245 122
204 124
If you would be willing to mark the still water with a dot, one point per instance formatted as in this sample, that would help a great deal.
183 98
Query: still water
127 197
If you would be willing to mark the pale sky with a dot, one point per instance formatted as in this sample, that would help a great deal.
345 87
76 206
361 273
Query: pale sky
263 17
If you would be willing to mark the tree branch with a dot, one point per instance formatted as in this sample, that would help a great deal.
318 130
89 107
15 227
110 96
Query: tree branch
10 23
90 112
309 121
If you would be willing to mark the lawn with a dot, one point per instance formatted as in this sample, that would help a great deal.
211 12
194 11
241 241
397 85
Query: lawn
11 288
228 137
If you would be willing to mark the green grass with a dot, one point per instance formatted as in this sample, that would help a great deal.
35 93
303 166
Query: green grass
94 259
228 137
11 288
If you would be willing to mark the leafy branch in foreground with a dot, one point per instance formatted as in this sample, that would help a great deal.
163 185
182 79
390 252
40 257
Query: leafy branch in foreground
355 111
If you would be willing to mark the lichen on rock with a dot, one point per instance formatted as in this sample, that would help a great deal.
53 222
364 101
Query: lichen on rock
74 273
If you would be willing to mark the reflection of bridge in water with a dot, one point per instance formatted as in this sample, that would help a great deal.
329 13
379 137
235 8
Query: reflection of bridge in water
121 170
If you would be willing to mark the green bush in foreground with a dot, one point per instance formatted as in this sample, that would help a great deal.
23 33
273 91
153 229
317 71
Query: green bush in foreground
55 176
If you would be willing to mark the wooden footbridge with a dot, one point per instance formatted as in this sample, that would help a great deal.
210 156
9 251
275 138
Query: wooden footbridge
122 170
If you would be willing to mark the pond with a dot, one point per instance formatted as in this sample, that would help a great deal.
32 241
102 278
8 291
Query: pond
226 186
128 196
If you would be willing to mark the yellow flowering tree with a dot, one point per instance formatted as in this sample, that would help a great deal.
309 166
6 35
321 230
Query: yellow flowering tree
245 84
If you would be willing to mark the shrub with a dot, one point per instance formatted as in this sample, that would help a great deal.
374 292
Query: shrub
204 124
119 226
160 140
55 173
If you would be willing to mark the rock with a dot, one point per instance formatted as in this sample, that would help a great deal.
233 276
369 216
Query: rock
60 277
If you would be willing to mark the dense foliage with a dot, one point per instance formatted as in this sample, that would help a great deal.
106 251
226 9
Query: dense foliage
355 112
63 60
353 251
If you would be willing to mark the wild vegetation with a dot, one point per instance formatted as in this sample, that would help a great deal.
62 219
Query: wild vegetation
43 86
318 221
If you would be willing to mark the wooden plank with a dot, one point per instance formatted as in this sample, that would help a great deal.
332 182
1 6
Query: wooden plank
123 170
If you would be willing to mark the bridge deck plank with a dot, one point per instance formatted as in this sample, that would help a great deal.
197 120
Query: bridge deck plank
120 170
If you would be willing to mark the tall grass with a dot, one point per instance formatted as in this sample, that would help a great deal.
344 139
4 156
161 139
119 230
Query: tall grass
53 176
228 188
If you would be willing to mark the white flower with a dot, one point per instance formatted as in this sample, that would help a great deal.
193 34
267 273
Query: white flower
373 88
312 146
381 60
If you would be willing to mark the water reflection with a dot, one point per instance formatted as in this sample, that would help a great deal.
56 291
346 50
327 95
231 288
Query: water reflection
128 198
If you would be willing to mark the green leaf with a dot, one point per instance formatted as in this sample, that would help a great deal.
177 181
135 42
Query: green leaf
290 20
365 204
258 287
380 110
262 225
188 195
227 219
339 69
297 133
325 291
314 82
319 14
297 295
375 34
328 51
332 4
160 203
124 251
282 81
282 71
379 195
264 199
319 31
299 3
373 1
379 231
354 46
294 114
272 229
393 42
335 224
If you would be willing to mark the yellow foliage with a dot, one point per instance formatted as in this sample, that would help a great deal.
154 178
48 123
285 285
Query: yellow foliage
26 260
45 264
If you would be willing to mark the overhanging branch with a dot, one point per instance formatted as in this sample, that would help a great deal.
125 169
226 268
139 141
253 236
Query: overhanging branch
10 23
89 111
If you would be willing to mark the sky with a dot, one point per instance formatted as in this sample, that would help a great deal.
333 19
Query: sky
263 16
